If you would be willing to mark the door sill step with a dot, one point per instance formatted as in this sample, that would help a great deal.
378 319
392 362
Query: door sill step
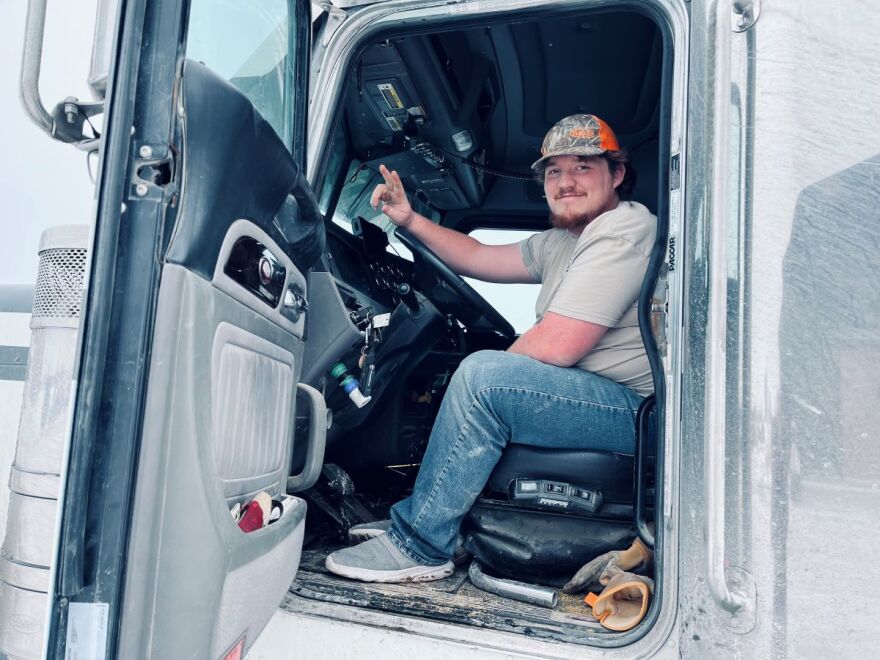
451 600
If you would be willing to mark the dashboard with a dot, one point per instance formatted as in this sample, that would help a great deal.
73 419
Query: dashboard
363 265
364 280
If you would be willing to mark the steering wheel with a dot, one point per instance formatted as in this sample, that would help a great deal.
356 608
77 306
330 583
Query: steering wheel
446 289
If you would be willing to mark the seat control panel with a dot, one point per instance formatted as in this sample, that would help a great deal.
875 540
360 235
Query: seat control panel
554 495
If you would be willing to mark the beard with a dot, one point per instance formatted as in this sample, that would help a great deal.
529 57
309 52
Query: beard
570 222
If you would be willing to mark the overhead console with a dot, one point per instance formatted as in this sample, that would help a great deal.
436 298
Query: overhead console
411 119
389 91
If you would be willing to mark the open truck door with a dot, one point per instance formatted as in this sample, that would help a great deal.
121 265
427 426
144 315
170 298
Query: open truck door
192 341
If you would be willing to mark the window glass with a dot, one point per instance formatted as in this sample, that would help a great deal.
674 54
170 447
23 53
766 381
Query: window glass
335 170
515 302
354 201
250 44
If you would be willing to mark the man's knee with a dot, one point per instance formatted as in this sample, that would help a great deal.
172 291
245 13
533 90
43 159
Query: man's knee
485 368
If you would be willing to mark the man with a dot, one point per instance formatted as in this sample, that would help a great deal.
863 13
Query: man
574 380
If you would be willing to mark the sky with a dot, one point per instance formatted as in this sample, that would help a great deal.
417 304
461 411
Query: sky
44 183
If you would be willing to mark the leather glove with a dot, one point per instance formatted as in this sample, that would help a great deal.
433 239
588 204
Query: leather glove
603 568
623 602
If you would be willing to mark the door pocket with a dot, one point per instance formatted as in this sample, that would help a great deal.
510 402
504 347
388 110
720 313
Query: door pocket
252 589
253 397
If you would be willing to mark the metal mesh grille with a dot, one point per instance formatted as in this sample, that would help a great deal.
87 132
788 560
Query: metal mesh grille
60 283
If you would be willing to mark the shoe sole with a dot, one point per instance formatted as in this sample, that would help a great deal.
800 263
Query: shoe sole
415 574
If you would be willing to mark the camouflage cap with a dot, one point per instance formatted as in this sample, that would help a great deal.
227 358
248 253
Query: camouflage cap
577 135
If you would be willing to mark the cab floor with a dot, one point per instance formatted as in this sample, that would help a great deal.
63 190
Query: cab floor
453 600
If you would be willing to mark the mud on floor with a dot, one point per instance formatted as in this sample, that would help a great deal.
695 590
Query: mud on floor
453 600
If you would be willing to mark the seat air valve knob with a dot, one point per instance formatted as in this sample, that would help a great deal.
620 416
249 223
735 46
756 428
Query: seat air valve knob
350 384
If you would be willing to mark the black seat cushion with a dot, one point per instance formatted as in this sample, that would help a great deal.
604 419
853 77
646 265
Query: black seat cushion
539 546
611 474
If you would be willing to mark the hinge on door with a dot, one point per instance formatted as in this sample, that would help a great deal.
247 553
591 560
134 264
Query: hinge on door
152 176
745 14
335 17
660 305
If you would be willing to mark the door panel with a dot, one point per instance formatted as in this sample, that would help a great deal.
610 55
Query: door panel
235 166
186 554
189 562
219 417
192 339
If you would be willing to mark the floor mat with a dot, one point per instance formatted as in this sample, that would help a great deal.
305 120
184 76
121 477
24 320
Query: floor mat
453 599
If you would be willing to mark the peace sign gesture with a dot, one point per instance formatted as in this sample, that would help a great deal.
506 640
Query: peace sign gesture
393 198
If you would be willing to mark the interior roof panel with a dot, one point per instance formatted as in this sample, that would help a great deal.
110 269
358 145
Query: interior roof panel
598 64
607 63
604 62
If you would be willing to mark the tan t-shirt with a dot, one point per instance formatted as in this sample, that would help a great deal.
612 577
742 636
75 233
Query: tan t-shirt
596 277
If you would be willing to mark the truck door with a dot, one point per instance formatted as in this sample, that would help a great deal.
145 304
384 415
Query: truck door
193 338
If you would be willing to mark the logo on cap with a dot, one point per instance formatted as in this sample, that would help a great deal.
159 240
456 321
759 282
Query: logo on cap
584 133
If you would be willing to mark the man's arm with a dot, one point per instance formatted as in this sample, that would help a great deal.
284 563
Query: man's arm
463 254
559 340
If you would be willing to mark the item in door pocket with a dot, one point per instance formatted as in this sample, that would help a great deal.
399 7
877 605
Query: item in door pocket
255 514
277 510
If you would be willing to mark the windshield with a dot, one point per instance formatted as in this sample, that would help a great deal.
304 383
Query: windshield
354 201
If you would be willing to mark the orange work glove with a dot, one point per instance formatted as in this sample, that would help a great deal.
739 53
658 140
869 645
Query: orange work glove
623 602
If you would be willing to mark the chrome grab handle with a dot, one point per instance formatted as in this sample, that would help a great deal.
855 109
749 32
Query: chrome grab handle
32 55
715 432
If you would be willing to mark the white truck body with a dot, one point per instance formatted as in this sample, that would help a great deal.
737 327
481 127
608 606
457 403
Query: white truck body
771 471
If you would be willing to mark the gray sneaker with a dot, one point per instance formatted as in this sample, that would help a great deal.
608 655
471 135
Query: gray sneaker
367 531
370 530
378 560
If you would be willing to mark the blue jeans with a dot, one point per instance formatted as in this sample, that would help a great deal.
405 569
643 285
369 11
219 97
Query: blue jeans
497 397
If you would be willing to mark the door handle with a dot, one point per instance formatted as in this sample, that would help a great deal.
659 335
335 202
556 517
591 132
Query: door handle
295 303
319 421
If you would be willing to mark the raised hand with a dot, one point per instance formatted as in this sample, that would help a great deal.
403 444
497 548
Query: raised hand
392 197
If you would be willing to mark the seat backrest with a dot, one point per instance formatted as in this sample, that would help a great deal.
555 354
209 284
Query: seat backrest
645 162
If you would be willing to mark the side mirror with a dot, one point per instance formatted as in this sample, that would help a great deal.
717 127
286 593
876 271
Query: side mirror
102 46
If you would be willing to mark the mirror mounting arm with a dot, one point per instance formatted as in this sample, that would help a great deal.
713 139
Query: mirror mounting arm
66 121
32 55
